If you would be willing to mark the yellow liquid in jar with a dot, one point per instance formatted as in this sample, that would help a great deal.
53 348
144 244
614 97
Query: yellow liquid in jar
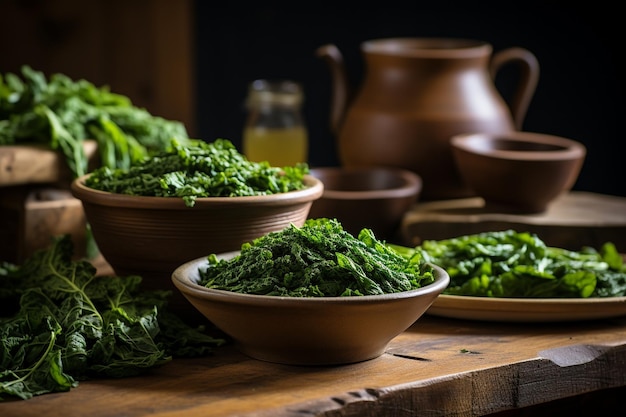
280 147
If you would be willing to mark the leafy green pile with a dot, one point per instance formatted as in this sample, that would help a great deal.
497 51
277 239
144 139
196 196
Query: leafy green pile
62 113
72 325
319 259
519 264
199 169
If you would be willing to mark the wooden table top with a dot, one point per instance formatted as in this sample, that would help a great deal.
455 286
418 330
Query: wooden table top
438 367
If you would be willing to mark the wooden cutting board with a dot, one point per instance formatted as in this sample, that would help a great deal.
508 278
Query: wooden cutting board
573 220
36 164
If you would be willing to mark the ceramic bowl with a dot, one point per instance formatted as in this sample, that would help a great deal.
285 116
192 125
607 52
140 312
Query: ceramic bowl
152 236
311 330
366 197
518 171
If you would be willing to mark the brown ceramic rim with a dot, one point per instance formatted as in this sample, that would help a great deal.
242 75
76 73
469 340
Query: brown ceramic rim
428 47
184 278
569 149
412 185
313 191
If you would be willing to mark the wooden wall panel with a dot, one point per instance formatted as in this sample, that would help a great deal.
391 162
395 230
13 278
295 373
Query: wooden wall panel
140 48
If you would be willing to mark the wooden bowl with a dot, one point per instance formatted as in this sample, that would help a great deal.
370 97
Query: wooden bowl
518 171
152 236
307 330
370 197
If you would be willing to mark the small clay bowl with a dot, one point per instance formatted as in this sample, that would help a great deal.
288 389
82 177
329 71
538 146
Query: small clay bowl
518 171
366 197
308 330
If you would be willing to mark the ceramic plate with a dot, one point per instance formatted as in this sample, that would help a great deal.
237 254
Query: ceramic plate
527 309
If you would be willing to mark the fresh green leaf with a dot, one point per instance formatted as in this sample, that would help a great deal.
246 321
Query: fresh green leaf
72 325
519 264
62 113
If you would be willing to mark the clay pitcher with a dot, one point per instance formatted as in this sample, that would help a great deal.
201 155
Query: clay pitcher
416 94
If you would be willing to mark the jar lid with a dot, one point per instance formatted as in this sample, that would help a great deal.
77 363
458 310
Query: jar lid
281 92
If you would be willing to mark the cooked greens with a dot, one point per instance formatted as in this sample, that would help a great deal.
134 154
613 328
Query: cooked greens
62 113
71 325
519 264
199 169
319 259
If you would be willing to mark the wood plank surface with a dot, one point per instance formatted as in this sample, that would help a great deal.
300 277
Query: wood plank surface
438 367
574 219
38 164
31 164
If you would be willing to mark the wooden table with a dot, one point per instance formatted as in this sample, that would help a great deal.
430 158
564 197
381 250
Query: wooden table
438 367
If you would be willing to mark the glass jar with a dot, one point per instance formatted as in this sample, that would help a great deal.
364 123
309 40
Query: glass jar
275 130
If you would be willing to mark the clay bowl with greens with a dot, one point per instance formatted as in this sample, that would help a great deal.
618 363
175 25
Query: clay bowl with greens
311 295
186 202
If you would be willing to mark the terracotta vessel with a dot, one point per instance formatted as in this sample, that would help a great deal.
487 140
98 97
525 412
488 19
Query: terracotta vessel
376 198
416 94
522 172
308 330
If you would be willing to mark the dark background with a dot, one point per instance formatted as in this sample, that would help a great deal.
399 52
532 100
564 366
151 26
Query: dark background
580 94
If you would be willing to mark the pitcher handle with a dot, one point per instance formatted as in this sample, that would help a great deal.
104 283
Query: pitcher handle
529 78
340 88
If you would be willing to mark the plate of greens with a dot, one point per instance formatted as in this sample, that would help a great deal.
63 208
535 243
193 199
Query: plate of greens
511 276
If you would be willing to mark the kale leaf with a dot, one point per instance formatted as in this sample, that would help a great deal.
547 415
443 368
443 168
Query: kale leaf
73 325
62 113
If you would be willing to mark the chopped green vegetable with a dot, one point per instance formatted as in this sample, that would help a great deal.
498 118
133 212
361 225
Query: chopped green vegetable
319 259
199 169
71 325
518 264
62 113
